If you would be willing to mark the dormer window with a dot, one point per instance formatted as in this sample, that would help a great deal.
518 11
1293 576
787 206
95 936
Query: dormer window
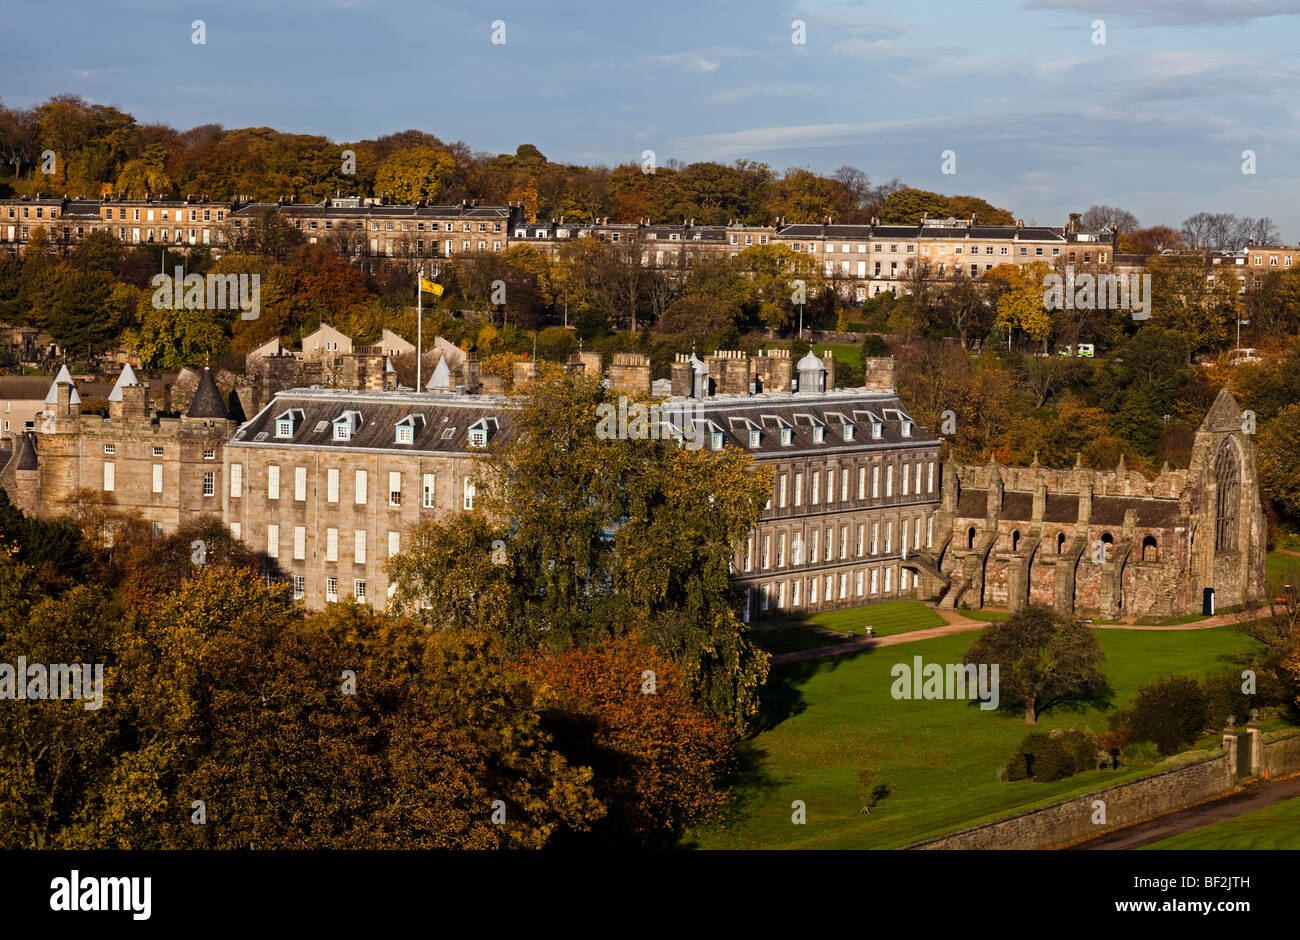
716 440
754 435
406 428
286 421
479 431
346 424
818 433
787 436
907 427
876 428
848 431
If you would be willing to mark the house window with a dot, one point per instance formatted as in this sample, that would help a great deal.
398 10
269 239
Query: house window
427 489
862 482
273 482
875 538
812 546
781 491
848 432
816 487
405 434
362 483
359 546
753 438
394 543
299 542
299 587
236 531
786 436
236 480
470 491
798 489
818 433
331 485
110 448
331 589
716 438
767 552
342 431
331 544
300 484
209 483
394 488
157 478
157 451
359 590
478 437
889 480
844 542
273 541
209 455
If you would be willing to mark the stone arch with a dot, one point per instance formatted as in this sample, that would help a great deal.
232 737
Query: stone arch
1150 549
1060 543
1015 540
970 537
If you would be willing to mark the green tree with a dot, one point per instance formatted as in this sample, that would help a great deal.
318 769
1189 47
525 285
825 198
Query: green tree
1045 659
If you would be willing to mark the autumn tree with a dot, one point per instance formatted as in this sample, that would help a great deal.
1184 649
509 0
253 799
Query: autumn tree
658 761
415 174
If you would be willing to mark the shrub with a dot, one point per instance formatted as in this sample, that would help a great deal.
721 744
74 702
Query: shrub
1224 698
874 345
1170 712
1046 757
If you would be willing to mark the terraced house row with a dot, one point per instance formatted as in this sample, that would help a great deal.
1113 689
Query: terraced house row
860 260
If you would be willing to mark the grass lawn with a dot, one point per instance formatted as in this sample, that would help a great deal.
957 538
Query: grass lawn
1277 827
885 619
844 352
1280 568
1173 621
790 639
992 616
826 719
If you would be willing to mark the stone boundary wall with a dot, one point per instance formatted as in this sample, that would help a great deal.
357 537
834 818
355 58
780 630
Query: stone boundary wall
1134 801
1070 821
1282 756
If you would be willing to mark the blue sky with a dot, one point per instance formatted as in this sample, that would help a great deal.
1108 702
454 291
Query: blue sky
1042 120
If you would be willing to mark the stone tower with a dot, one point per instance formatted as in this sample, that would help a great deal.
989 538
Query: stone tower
1228 528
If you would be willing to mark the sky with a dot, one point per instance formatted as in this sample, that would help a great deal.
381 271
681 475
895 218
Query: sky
1041 117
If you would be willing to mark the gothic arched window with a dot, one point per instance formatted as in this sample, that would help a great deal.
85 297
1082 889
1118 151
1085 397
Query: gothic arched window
1227 499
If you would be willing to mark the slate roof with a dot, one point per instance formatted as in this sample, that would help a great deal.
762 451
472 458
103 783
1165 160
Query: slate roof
731 415
379 414
26 453
207 401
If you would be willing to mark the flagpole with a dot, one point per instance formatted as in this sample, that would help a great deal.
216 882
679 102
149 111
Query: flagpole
419 331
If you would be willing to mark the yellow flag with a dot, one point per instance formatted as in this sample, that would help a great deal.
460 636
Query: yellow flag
429 286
